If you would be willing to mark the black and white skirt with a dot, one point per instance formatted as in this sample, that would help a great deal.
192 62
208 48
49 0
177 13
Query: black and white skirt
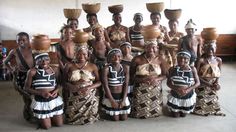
46 108
183 104
107 107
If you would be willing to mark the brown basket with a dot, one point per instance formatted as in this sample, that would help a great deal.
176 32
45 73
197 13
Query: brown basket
173 14
72 13
155 7
91 8
150 32
40 43
115 9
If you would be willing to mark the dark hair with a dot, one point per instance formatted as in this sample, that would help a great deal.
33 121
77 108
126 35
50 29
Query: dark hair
115 14
23 34
65 27
155 13
173 21
71 19
90 15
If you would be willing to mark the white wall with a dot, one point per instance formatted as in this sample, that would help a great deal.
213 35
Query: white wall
46 16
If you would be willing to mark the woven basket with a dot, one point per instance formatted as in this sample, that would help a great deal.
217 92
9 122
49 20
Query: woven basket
72 13
115 9
173 14
155 7
91 8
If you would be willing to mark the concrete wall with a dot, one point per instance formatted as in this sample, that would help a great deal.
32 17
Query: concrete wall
46 16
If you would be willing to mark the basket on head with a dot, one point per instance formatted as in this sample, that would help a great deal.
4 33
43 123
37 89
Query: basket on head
72 13
209 34
150 32
40 43
91 8
115 9
155 7
172 14
80 37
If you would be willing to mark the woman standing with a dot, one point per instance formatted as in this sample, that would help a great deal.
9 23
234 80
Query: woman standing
135 35
81 81
147 71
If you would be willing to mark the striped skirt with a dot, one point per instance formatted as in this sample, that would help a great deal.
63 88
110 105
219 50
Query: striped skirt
183 104
107 107
46 108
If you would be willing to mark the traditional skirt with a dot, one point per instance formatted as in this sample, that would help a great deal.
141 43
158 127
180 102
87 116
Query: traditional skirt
19 82
82 109
183 104
147 101
46 108
207 102
107 107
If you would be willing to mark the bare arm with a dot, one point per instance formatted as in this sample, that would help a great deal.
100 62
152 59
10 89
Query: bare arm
105 84
196 79
6 62
126 83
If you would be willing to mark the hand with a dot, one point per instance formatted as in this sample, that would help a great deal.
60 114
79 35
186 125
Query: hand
122 104
54 93
84 90
114 104
46 94
216 86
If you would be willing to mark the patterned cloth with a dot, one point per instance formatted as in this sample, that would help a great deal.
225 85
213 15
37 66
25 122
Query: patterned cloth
207 101
82 109
147 101
19 82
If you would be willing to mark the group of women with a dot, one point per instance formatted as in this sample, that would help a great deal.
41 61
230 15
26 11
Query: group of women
123 75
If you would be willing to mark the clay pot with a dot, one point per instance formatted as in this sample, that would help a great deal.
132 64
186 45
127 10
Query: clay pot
155 7
150 32
80 37
40 42
209 34
72 13
115 9
173 14
91 8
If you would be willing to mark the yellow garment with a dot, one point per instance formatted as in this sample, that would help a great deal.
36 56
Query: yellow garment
81 75
117 35
148 69
210 70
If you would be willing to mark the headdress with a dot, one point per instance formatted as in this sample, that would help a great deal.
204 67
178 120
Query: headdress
184 54
190 24
126 44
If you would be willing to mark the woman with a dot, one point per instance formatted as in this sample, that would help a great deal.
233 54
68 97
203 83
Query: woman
115 83
81 81
117 32
172 39
182 80
74 23
47 106
147 71
209 71
135 35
